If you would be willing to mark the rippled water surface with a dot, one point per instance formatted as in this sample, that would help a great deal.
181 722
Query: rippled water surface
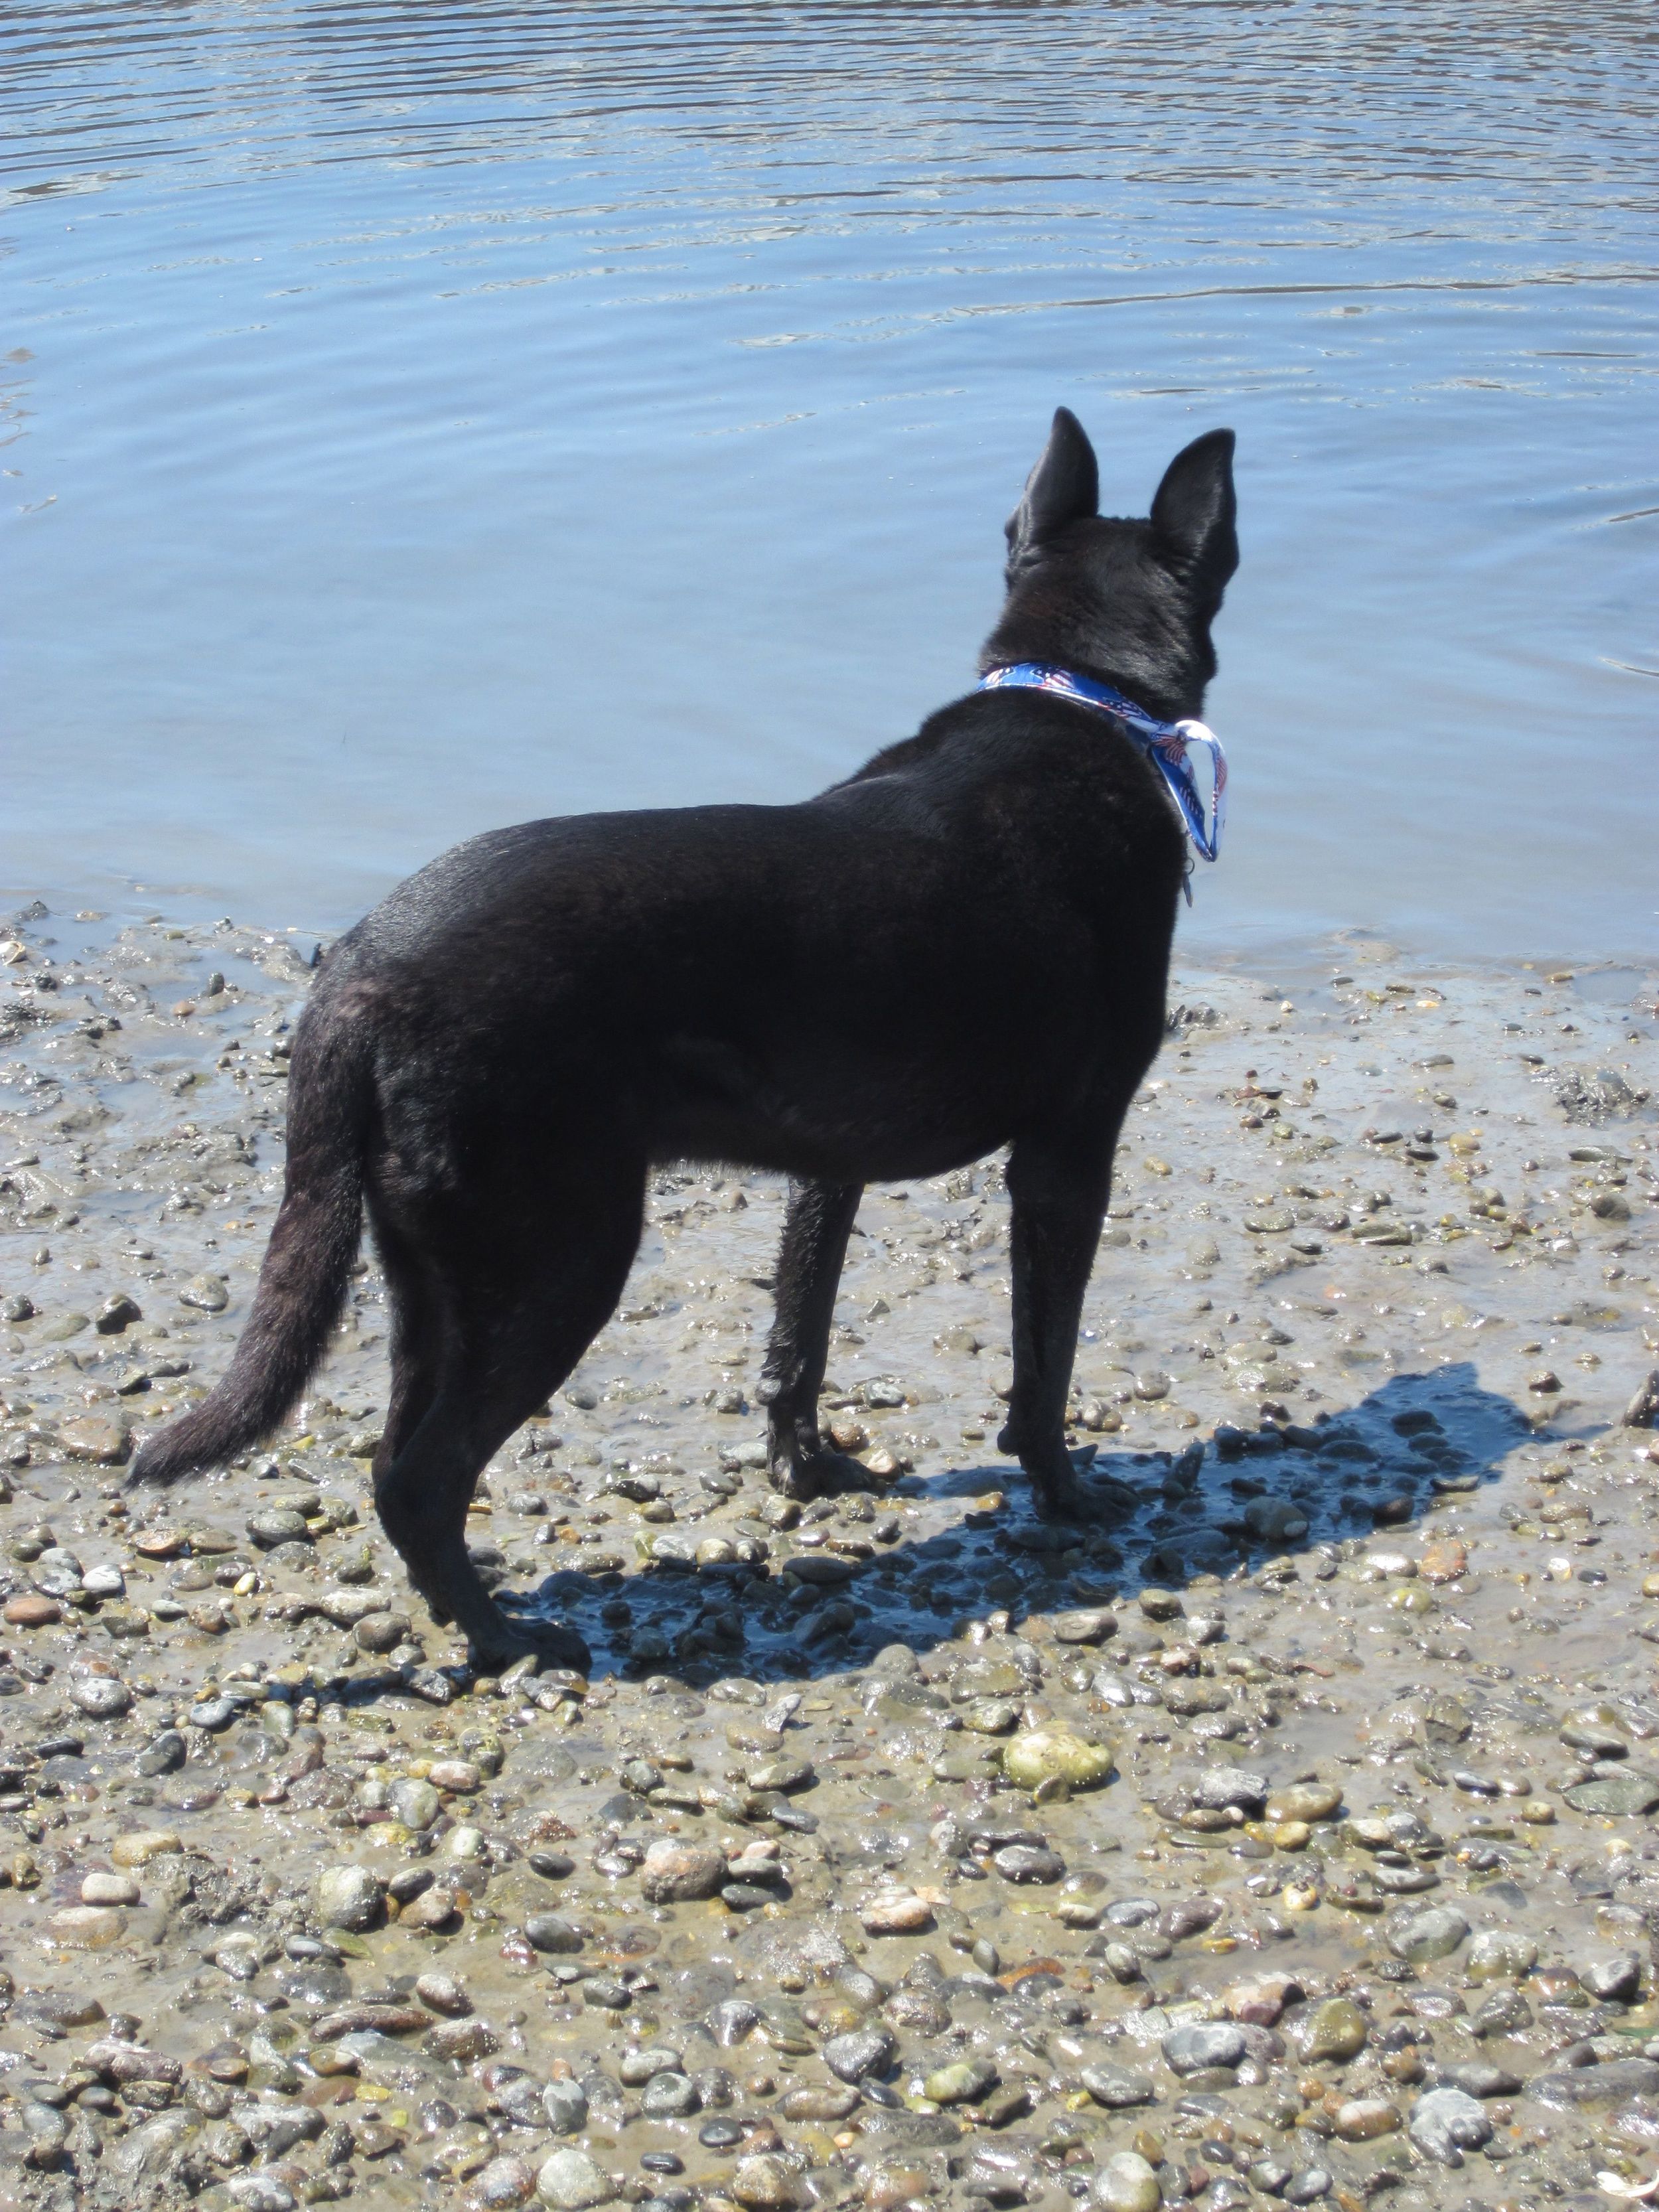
423 417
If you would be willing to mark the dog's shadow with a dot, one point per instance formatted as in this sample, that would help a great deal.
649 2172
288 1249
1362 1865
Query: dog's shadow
1222 1508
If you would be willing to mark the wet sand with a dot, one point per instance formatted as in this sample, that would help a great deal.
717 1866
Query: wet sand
1284 1833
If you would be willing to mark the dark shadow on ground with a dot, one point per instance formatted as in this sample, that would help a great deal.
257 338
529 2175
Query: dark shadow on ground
1223 1506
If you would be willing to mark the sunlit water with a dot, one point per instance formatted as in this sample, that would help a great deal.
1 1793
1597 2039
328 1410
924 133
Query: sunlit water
425 417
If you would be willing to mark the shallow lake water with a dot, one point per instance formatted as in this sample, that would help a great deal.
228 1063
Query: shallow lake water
423 419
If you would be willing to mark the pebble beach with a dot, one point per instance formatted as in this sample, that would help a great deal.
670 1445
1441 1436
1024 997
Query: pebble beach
1284 1834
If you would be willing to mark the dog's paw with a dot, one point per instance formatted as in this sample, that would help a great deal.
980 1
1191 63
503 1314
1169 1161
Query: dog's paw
443 1616
804 1475
1061 1498
528 1635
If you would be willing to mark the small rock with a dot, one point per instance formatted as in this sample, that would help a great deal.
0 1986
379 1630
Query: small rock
1092 1626
91 1436
785 1775
1609 2083
960 2082
462 2042
1205 2043
1222 1787
821 1567
504 2183
87 1927
1630 1792
890 2183
101 1696
645 2061
819 2104
1446 2123
865 2051
1447 1720
416 1804
375 1632
552 1933
732 2021
1047 1754
1128 2183
1500 1954
747 1897
1028 1862
1434 1934
1117 2087
279 1524
1275 1521
162 1754
897 1913
1444 1562
669 2096
571 2182
116 1314
30 1610
675 1874
764 2183
109 1889
1303 1800
1190 1915
349 1897
1309 2185
1614 1977
368 2019
138 1848
1477 2077
1334 2029
159 1543
206 1293
1358 2120
443 1993
565 2104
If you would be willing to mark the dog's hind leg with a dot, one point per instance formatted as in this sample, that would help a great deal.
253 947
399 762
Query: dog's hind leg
520 1306
1060 1187
815 1232
416 1367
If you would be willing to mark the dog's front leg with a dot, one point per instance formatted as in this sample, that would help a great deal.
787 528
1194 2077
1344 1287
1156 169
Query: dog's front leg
815 1232
1059 1192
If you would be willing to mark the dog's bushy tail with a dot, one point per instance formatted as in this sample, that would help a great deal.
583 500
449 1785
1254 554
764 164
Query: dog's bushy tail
307 1263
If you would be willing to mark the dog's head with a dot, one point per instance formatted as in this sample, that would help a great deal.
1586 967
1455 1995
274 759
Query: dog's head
1128 600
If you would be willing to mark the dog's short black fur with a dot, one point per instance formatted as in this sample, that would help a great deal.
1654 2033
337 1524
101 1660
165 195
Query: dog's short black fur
963 947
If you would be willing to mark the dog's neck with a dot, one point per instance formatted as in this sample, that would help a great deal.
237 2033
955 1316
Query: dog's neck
1171 696
1161 670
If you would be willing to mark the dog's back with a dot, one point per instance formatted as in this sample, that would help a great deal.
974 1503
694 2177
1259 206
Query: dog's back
880 982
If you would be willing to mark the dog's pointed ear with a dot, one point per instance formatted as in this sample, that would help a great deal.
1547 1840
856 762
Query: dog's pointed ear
1194 512
1064 486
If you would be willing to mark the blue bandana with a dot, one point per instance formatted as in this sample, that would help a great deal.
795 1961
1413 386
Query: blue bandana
1165 744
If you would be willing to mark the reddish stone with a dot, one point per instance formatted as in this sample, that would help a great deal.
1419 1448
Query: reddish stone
31 1610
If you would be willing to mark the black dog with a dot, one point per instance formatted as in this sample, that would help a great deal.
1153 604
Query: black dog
980 918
